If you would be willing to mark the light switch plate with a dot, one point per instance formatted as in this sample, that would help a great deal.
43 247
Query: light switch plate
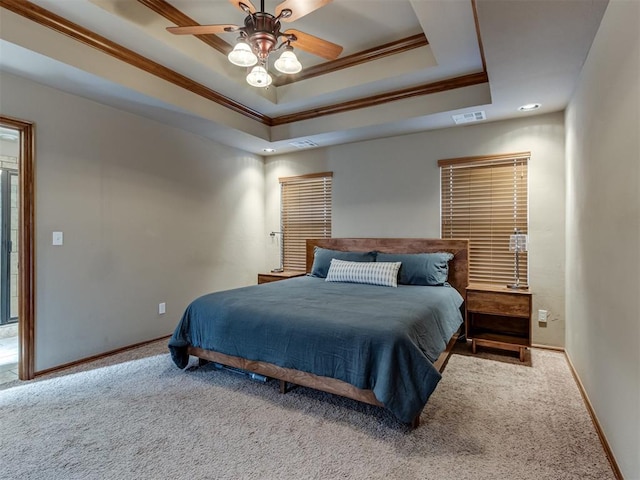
57 238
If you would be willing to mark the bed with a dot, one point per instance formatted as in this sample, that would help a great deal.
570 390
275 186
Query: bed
379 345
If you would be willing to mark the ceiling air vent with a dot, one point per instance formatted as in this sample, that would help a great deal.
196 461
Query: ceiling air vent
469 117
304 144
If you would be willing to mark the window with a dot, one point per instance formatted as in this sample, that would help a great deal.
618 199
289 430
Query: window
305 213
485 199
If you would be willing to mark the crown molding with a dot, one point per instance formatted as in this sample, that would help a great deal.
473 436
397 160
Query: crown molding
369 55
425 89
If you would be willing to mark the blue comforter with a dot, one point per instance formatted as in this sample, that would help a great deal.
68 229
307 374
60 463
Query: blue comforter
378 338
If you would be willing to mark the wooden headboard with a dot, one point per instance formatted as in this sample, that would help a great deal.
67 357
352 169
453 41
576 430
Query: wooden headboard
458 267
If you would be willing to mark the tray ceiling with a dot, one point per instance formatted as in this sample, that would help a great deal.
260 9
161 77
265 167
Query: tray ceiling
406 66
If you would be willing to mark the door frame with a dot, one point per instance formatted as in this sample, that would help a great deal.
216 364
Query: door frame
26 245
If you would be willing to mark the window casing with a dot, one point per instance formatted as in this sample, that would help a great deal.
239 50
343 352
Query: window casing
485 199
305 213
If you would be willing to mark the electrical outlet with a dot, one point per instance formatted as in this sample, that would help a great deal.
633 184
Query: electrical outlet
542 316
162 308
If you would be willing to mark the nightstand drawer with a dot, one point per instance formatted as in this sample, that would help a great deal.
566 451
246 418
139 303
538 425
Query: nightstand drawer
498 303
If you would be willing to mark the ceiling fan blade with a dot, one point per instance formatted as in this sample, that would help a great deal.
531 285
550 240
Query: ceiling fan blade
315 45
202 29
238 4
299 8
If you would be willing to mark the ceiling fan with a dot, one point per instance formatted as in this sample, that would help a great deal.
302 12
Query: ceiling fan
260 35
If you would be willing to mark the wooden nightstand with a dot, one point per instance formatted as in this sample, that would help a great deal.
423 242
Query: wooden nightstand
275 276
499 317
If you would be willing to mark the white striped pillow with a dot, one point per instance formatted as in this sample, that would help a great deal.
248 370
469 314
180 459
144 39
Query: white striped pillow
372 273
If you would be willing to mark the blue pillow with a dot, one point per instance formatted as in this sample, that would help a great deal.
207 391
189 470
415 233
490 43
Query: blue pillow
322 259
420 268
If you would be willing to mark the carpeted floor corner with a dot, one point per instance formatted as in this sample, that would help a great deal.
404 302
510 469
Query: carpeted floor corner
136 416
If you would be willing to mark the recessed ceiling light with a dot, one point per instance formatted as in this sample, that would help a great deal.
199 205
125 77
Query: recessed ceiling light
529 106
268 150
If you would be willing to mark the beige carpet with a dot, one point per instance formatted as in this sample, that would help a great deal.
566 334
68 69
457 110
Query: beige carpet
138 417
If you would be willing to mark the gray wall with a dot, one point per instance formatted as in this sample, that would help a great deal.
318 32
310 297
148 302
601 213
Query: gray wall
391 188
149 213
603 230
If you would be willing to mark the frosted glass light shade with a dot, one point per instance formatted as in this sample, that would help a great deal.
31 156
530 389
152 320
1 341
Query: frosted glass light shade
518 242
259 77
288 63
242 55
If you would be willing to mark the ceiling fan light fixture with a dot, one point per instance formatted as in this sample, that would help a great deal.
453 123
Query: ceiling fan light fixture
260 35
259 77
288 62
242 55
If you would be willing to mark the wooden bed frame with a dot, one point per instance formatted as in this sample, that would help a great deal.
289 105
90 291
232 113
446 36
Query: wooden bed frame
458 278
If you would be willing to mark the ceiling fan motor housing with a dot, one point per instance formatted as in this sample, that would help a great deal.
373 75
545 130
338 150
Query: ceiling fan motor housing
262 30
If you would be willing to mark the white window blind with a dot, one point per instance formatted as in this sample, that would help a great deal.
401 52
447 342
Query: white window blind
484 199
305 213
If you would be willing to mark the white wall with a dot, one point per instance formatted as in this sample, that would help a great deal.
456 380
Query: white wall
149 213
391 188
603 230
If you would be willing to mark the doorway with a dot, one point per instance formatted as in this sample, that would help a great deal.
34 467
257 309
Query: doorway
17 220
9 151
